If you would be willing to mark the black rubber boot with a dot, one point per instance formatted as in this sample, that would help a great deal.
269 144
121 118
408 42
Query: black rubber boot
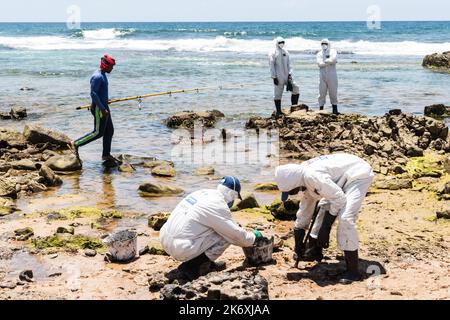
352 274
321 108
313 252
299 236
335 109
294 99
278 107
323 238
194 268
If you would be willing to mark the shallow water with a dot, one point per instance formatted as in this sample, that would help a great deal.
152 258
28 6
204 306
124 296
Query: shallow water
378 70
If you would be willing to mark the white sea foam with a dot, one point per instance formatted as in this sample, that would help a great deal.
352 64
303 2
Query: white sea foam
111 39
105 34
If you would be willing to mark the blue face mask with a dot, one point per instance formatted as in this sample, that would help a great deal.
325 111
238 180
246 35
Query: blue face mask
230 204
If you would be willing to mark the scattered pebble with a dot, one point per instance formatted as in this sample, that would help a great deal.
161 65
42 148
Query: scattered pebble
90 252
26 275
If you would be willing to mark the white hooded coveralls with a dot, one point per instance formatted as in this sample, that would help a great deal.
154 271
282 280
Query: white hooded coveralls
341 181
327 60
202 222
280 68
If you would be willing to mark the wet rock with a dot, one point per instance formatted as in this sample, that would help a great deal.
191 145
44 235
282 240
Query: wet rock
156 250
24 164
126 167
241 285
392 183
248 201
35 134
5 116
269 186
156 190
64 163
299 107
157 220
154 163
26 275
437 111
444 214
186 119
26 89
70 230
18 113
286 210
414 151
395 112
205 171
90 252
23 234
440 61
164 170
49 178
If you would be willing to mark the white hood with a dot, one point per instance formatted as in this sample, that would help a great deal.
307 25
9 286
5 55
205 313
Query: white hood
289 177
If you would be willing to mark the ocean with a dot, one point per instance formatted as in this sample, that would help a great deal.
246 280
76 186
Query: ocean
378 70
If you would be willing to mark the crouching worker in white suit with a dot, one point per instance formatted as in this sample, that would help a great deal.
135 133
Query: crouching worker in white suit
340 182
201 228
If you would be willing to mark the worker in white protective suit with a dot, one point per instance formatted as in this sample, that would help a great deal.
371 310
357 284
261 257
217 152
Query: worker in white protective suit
327 60
340 182
201 228
281 72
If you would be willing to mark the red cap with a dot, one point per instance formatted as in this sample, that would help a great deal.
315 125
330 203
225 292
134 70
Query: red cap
107 61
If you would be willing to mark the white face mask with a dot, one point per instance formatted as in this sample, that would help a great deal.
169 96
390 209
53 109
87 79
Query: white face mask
228 194
324 47
281 45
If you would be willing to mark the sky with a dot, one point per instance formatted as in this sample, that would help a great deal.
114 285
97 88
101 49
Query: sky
222 10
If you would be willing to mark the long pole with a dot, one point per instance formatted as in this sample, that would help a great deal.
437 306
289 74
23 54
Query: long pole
156 94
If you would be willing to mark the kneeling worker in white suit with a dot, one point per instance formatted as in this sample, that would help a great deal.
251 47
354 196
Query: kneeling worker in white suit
340 182
201 227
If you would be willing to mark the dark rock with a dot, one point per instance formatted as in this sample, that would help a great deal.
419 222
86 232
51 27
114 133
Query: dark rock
395 112
436 110
23 234
26 89
437 61
186 119
49 178
26 275
18 113
5 116
286 210
444 214
414 151
248 201
241 285
35 134
69 230
299 108
157 220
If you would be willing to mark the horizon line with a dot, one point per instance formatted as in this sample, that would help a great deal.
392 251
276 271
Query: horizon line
227 21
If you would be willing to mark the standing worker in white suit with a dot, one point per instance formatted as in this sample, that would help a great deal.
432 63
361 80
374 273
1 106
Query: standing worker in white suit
281 72
201 228
340 182
327 60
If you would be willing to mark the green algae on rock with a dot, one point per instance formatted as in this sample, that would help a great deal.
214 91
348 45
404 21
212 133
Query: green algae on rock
67 241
